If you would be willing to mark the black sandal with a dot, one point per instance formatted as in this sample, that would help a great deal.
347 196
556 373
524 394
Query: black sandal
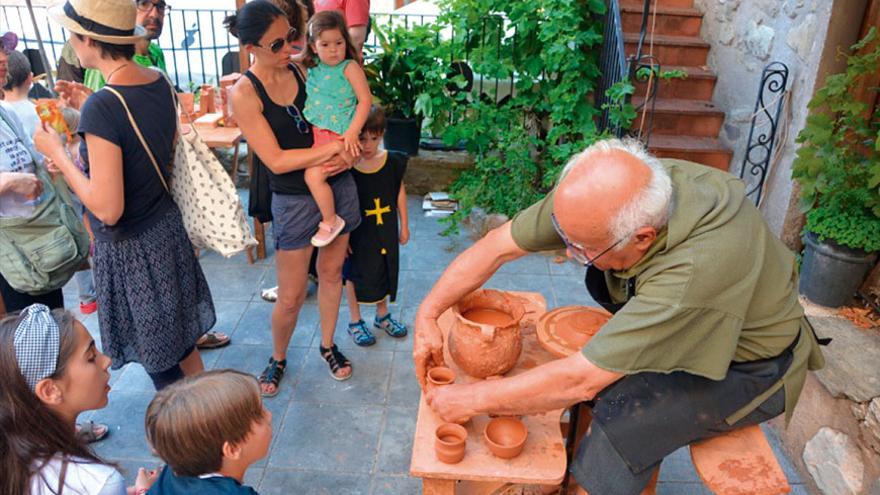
336 360
272 375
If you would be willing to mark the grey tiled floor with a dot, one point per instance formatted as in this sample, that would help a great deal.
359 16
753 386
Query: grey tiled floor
349 437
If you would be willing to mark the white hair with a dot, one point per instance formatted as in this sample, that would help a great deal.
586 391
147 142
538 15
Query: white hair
651 206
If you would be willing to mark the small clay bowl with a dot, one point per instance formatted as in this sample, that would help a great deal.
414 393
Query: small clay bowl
449 443
441 375
506 437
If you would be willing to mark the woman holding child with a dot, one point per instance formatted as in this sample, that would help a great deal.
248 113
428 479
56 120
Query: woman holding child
268 104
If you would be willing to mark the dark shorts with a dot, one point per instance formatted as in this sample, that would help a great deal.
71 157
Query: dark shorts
296 216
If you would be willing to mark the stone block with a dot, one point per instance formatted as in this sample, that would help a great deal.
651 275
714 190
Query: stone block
851 369
434 170
801 37
759 40
834 462
871 425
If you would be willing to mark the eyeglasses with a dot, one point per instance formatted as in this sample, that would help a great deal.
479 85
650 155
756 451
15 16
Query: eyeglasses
301 125
577 250
276 45
146 5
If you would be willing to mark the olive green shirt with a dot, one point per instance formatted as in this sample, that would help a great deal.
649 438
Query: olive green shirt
715 287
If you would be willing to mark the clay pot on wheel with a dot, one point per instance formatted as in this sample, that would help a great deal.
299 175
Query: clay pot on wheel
485 339
449 444
506 437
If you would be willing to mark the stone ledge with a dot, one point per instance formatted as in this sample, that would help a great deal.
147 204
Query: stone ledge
434 170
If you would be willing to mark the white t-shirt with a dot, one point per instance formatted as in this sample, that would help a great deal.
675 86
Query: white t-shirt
82 478
27 114
15 156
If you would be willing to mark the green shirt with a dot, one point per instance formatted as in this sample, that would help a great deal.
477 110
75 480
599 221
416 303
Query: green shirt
716 286
94 80
331 103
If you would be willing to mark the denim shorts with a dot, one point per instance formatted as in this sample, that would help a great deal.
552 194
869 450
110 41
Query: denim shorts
296 216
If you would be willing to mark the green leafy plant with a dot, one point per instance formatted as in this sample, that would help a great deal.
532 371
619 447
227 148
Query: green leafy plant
838 163
546 52
404 74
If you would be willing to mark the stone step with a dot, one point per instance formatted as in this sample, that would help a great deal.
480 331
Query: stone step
680 117
704 150
680 21
698 85
670 50
658 3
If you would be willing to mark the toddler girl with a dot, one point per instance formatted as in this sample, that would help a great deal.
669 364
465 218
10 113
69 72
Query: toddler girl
338 104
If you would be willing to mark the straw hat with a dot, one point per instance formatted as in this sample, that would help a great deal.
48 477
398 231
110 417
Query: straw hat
110 21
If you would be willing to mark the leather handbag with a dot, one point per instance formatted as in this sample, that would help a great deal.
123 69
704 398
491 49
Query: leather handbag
212 211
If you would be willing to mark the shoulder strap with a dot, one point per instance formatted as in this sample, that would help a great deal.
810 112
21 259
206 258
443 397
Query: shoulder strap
140 136
297 73
258 85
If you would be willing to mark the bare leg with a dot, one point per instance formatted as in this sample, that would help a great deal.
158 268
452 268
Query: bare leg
293 269
354 309
330 259
192 364
382 308
323 194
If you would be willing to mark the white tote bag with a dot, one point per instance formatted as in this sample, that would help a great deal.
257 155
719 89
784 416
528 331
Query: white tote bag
212 211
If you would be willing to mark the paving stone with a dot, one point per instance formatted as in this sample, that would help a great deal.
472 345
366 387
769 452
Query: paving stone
791 472
253 359
255 326
285 482
386 485
851 369
124 415
568 267
570 290
253 477
678 467
395 445
433 254
233 282
533 264
415 285
834 462
133 378
326 437
368 384
404 388
682 489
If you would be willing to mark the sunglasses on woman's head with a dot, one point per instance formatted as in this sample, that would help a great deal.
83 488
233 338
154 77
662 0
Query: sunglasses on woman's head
278 44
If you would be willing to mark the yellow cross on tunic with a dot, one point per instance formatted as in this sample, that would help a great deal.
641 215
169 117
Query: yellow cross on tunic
378 211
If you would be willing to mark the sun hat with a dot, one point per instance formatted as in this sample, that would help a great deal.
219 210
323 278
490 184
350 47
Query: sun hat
110 21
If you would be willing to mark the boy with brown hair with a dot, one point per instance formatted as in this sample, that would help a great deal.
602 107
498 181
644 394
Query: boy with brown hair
371 270
209 429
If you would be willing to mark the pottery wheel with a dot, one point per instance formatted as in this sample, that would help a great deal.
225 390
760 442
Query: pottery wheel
564 331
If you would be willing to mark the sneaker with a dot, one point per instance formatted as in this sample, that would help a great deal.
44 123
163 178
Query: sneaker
88 308
360 334
326 233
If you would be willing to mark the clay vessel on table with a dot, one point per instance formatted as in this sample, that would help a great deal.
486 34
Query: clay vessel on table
485 338
440 375
506 437
449 443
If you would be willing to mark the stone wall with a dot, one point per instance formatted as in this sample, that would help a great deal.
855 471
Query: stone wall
746 35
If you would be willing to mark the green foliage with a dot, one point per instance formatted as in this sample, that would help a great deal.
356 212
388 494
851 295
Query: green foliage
838 163
548 51
404 75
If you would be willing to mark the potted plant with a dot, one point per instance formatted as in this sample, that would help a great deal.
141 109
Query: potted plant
405 78
838 169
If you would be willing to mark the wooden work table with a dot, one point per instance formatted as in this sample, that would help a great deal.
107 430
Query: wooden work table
543 460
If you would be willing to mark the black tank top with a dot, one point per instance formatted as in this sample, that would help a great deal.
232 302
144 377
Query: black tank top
287 134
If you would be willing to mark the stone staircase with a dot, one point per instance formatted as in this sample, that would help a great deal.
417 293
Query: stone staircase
685 121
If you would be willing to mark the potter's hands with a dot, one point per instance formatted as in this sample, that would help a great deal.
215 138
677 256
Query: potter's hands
427 347
453 403
73 94
24 185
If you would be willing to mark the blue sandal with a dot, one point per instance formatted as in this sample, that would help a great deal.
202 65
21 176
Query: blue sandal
361 334
391 326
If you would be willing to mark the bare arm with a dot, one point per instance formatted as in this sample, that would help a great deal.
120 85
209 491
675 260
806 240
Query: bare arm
403 214
358 35
467 272
102 192
358 80
248 112
553 385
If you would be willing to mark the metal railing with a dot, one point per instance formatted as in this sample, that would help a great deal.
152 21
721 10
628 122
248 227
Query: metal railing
612 63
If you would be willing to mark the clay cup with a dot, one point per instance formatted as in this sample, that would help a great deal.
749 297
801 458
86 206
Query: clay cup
449 443
441 375
505 437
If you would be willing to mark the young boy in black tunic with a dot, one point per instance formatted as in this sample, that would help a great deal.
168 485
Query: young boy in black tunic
371 269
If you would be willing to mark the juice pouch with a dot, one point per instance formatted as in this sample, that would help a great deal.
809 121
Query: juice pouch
49 113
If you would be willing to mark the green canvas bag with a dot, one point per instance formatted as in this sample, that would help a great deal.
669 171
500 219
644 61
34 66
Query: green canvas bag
41 252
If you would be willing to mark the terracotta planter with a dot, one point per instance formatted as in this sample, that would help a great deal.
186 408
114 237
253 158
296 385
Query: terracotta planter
187 106
485 339
506 437
450 441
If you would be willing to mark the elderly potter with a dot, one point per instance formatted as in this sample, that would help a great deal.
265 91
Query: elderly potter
707 333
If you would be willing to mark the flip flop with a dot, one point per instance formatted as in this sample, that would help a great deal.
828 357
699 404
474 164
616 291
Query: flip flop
91 432
213 340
